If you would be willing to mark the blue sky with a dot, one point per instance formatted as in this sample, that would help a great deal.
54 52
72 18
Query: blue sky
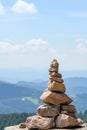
33 32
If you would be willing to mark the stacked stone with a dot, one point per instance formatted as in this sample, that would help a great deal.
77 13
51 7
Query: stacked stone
56 111
57 103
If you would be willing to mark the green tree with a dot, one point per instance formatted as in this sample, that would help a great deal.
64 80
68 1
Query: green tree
13 119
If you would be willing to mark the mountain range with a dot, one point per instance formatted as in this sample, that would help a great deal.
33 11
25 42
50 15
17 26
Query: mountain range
25 96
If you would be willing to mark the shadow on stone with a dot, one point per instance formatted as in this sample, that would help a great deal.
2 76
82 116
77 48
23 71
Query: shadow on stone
73 128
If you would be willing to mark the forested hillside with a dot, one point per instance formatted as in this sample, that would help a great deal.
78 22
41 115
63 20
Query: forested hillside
13 119
17 118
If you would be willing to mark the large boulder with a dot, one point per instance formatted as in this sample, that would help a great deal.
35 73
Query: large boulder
55 98
48 110
69 108
64 121
55 86
38 122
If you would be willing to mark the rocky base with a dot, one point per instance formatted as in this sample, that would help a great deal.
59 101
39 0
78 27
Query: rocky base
16 127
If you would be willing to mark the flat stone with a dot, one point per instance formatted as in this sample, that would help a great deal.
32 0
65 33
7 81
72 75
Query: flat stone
48 110
69 108
55 86
64 121
38 122
54 74
72 114
53 70
55 98
59 80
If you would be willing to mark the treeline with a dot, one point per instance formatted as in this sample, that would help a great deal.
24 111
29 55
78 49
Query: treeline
83 116
12 119
17 118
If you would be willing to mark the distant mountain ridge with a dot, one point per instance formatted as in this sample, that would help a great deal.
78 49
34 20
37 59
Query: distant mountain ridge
76 81
76 85
25 96
40 85
70 83
13 98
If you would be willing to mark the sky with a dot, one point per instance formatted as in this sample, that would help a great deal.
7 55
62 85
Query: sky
33 32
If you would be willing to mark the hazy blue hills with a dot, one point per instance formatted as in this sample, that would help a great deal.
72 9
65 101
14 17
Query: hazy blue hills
80 100
76 85
14 98
39 85
25 96
73 85
8 90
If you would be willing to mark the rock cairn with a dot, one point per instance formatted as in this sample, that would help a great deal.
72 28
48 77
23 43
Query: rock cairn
57 112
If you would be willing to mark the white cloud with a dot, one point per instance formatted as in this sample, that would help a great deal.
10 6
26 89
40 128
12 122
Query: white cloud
76 57
34 45
23 7
37 44
81 46
1 9
8 48
33 53
38 53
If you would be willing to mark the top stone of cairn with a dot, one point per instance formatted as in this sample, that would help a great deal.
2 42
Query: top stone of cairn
54 64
